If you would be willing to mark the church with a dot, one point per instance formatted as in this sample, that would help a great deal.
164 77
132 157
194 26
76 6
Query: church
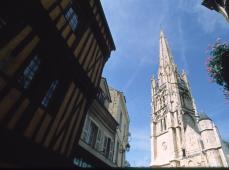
180 135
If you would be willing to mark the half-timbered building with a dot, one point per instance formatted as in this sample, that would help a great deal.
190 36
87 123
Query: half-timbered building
52 53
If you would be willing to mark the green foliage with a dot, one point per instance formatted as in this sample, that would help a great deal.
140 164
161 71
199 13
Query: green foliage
215 66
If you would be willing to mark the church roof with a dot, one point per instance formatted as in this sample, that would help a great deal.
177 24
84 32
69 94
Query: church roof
203 116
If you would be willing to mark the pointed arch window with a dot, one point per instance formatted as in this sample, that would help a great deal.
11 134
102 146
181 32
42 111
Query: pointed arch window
163 99
179 128
183 153
165 123
161 125
160 103
49 93
157 104
182 99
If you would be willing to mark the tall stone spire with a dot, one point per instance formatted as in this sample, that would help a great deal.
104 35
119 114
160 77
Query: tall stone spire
178 137
172 108
165 59
165 54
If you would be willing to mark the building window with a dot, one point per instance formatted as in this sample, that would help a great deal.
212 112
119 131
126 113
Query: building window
108 148
29 72
49 94
71 17
105 143
161 125
163 100
93 132
164 123
101 96
160 103
202 144
183 152
182 99
111 150
99 139
92 135
180 134
85 134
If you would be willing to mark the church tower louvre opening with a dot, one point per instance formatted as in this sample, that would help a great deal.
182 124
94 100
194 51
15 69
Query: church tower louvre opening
180 136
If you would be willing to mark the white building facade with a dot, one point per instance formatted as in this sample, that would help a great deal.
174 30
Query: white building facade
104 138
99 132
180 136
119 111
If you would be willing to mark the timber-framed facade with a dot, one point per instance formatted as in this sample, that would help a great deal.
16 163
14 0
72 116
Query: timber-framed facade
52 53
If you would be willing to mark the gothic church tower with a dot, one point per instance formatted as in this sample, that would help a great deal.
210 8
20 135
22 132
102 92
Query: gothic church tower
175 135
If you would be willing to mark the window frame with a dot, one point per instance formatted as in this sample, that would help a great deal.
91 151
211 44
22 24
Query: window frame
92 141
49 93
71 17
165 127
108 147
29 72
86 130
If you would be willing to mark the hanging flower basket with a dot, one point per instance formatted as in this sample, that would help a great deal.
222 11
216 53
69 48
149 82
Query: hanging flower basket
217 65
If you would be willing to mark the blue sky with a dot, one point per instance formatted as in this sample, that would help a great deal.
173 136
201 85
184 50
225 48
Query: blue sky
189 28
